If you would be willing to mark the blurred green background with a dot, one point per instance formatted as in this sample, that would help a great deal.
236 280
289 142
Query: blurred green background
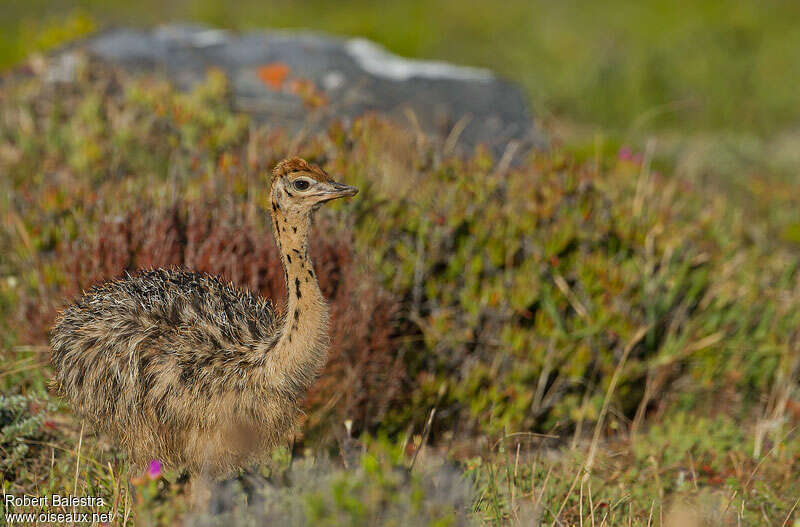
625 66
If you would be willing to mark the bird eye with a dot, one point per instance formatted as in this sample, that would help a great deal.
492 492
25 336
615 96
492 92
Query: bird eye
301 184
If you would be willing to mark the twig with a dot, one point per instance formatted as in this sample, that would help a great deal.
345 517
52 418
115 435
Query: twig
77 468
21 369
61 448
789 516
527 434
758 465
31 348
425 433
117 494
571 297
580 504
455 133
771 450
507 157
127 506
538 502
733 496
569 493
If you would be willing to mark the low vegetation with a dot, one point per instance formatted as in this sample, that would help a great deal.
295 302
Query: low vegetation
586 338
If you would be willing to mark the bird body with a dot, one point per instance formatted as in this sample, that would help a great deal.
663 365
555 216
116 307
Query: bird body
181 367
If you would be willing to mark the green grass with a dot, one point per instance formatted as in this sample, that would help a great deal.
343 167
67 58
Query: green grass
594 335
626 66
684 471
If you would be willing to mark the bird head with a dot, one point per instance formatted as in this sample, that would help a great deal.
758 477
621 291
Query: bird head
299 187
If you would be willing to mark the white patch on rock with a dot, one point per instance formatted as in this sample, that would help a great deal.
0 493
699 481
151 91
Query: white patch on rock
209 37
333 80
379 62
202 38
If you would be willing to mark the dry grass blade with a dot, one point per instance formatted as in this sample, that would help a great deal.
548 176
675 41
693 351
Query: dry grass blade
566 498
426 431
570 294
526 434
638 336
117 493
791 511
77 466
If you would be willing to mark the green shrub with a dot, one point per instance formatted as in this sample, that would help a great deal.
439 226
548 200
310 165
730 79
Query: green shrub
21 426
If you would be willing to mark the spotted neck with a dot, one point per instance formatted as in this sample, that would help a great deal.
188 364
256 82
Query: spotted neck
300 351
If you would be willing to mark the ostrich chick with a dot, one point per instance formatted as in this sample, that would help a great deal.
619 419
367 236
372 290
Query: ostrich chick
181 367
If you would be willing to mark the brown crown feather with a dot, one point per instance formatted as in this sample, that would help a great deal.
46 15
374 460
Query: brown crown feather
296 164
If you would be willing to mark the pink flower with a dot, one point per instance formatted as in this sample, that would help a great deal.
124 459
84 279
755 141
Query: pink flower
625 154
154 469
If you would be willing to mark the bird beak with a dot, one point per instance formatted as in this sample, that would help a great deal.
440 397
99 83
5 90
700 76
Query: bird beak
340 190
332 190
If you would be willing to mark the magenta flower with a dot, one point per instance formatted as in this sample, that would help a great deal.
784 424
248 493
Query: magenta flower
154 469
625 154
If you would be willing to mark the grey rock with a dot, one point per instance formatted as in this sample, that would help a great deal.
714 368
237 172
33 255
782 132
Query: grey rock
468 105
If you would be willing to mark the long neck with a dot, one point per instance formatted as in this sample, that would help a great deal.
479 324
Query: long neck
300 351
302 289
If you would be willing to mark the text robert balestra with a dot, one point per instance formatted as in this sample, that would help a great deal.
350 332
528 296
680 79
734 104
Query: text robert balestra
53 500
